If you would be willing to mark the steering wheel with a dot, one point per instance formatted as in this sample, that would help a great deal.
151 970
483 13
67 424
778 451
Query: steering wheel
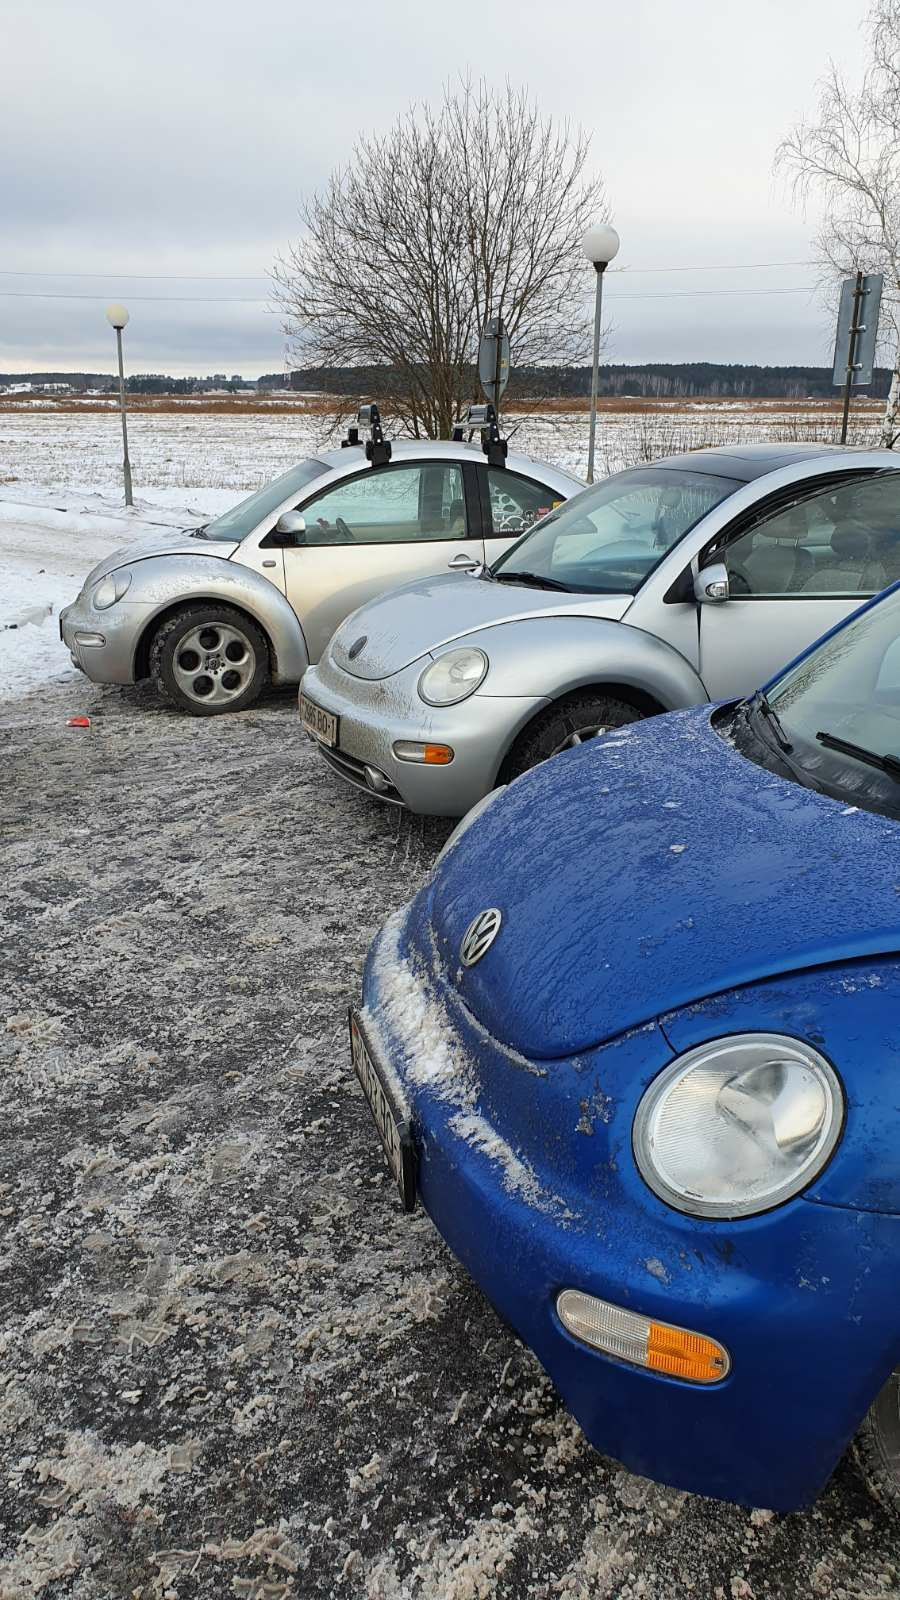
346 536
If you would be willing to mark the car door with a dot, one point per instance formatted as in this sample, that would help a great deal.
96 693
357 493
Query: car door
373 531
805 562
511 503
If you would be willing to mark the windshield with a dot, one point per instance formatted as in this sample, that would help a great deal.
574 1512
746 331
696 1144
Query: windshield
249 513
846 694
608 539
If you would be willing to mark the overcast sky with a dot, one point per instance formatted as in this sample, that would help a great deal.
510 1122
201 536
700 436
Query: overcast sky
141 141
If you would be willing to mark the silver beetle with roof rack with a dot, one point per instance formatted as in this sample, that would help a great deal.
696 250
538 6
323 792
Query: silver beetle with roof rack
215 612
690 579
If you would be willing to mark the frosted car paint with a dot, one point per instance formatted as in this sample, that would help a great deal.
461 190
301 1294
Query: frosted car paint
657 891
424 618
250 575
159 584
642 817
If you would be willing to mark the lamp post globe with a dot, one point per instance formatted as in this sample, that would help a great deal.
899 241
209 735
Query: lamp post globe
600 244
117 316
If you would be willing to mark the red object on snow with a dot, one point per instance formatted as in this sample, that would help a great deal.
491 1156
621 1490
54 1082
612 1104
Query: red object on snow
78 722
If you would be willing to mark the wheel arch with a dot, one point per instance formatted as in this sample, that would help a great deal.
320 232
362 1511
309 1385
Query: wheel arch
644 702
160 618
216 583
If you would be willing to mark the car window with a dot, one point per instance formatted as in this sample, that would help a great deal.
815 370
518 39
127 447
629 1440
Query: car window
841 539
248 514
388 505
839 711
515 503
608 539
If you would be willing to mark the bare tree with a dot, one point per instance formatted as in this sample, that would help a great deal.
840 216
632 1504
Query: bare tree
472 210
850 156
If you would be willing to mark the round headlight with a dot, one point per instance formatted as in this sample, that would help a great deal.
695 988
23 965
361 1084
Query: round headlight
738 1125
453 677
110 589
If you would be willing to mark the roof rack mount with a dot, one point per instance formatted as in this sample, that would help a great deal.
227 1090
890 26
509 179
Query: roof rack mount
484 418
378 448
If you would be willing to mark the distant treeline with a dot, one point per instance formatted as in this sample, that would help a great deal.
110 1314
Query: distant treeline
658 380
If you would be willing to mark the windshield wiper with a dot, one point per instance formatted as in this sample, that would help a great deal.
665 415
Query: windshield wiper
887 763
533 578
199 533
777 745
761 702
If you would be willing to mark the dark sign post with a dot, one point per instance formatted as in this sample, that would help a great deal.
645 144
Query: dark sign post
857 331
493 361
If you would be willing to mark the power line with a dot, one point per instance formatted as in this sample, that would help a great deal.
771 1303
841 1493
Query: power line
196 277
261 300
261 277
685 294
166 299
743 266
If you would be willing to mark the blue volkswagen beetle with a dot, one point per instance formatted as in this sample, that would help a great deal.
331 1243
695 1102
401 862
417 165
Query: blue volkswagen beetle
636 1049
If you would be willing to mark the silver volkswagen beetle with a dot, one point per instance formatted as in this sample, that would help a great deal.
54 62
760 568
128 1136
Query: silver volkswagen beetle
691 579
214 612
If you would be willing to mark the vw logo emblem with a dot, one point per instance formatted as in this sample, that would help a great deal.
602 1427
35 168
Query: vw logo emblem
479 936
357 646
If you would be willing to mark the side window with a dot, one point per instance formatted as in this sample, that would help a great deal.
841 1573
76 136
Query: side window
515 503
843 540
390 505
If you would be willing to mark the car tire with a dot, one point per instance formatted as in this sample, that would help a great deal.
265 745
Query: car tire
877 1445
567 723
209 659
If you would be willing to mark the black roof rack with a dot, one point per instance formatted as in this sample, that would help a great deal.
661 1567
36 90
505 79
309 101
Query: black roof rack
484 418
378 448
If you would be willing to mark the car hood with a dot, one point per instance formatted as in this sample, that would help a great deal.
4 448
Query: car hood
420 617
173 542
650 869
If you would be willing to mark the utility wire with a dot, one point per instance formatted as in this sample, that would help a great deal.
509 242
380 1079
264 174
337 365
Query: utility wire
262 277
254 300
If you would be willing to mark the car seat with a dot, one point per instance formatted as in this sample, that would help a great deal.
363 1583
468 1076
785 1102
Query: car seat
856 567
456 519
779 563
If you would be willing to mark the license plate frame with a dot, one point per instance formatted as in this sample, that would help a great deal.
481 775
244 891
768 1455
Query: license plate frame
322 725
390 1117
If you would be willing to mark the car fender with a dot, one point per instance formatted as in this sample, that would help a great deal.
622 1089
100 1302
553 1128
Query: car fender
164 583
555 655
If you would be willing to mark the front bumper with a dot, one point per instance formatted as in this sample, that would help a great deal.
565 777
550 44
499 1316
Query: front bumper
375 714
526 1170
103 644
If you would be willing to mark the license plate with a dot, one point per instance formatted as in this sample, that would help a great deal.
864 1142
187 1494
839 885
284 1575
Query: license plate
323 725
390 1118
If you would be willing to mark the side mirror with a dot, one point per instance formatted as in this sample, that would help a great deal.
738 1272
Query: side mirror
463 562
711 584
289 528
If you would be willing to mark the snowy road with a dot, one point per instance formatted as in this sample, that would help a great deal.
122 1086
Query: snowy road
230 1366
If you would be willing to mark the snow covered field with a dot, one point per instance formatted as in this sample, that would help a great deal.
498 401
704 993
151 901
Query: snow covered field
61 504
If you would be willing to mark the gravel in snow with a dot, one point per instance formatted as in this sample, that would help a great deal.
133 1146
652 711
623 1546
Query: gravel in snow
228 1365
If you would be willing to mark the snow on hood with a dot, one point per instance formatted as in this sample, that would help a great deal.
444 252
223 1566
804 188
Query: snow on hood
422 616
175 542
650 869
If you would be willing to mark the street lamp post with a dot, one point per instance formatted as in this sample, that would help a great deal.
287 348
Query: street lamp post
600 244
117 317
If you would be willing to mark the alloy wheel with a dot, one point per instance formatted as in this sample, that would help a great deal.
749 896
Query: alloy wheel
214 663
